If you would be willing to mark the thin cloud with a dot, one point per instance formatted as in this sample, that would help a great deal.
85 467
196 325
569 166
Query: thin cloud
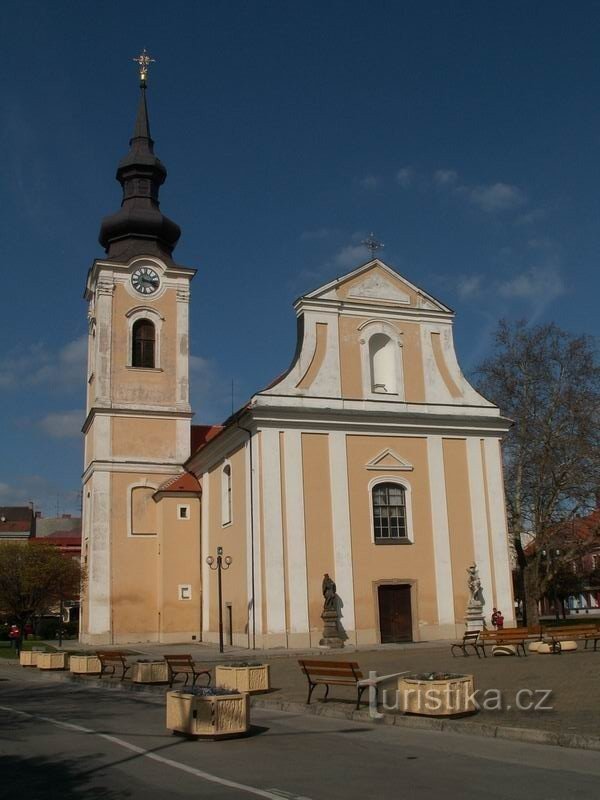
63 425
445 177
38 365
316 235
540 284
370 182
496 197
405 177
350 256
469 286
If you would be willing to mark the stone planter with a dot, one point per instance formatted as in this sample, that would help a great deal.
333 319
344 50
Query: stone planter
52 660
149 672
250 678
533 647
85 665
28 658
548 648
216 713
435 694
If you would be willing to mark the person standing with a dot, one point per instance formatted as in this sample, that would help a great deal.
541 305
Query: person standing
494 617
499 621
14 634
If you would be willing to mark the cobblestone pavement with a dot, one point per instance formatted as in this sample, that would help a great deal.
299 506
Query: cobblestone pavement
568 684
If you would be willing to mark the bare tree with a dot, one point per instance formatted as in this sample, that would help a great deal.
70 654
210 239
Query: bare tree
35 577
548 382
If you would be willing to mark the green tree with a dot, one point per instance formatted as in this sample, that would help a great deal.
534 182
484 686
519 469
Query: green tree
35 577
547 382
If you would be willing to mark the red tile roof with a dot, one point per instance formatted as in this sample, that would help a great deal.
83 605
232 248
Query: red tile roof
186 482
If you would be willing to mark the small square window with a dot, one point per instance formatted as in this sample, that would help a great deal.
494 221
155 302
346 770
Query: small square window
183 512
185 591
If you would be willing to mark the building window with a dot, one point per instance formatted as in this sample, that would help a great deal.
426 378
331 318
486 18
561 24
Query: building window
389 513
185 591
226 495
382 360
183 512
143 344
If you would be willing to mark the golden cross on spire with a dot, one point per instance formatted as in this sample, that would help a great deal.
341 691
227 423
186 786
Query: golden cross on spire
144 61
372 244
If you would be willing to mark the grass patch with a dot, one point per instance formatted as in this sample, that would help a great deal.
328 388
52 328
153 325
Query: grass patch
7 651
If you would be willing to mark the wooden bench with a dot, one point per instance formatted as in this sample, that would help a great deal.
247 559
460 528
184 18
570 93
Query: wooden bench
514 636
111 660
567 633
182 664
333 673
470 639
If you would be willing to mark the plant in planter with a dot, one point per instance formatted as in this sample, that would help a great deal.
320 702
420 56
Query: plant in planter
245 676
57 660
435 694
213 712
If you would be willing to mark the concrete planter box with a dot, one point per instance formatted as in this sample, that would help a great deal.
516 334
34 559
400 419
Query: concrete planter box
85 665
212 715
150 672
52 660
28 658
435 694
250 678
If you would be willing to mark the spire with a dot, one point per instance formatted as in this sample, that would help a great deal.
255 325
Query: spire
139 227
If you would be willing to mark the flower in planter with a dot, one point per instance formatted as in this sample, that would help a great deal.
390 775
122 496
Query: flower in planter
208 691
433 676
243 664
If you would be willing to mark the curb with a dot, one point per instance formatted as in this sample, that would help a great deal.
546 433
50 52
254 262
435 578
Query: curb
466 728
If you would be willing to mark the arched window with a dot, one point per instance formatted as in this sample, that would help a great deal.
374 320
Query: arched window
226 495
389 513
382 359
143 344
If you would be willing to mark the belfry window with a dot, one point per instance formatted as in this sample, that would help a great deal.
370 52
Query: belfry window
143 344
389 513
382 360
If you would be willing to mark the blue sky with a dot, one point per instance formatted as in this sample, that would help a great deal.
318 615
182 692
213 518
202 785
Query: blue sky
465 134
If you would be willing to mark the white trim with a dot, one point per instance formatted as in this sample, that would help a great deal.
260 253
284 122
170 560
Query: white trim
188 508
226 494
256 484
410 534
273 532
153 316
139 484
499 533
297 576
441 531
340 521
248 509
182 363
401 465
481 548
98 594
204 552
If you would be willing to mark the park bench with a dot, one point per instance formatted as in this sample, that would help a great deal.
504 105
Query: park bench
333 673
511 636
182 664
470 639
570 633
110 660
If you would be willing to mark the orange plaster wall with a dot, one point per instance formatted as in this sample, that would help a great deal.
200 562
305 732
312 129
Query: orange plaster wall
318 522
459 519
134 564
134 437
371 562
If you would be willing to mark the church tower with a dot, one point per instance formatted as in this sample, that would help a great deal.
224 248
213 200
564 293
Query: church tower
137 429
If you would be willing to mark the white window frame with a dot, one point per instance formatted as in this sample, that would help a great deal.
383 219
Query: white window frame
188 509
184 591
151 314
226 495
367 330
410 538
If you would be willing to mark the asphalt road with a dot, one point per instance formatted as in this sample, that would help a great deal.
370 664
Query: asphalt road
60 741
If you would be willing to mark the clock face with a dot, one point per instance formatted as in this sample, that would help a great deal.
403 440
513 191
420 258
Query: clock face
145 280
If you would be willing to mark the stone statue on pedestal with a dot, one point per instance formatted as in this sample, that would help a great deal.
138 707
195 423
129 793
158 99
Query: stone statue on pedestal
474 617
330 615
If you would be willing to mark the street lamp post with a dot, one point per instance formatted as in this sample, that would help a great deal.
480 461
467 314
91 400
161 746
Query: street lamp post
219 565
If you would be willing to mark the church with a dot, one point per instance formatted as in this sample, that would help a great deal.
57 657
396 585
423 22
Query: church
371 459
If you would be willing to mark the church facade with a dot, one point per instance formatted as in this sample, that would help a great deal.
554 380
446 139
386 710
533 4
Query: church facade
371 459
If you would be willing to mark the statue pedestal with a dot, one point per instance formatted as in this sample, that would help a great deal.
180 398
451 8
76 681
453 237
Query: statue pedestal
474 619
331 634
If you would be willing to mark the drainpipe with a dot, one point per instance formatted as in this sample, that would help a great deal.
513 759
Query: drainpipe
249 432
